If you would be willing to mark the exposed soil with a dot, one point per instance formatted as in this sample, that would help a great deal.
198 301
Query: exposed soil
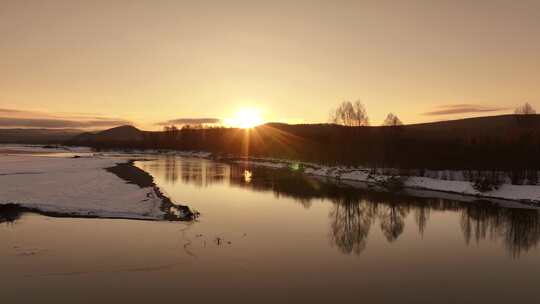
133 175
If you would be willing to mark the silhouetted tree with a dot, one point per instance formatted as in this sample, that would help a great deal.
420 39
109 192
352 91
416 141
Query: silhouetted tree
525 109
392 121
171 135
170 129
350 114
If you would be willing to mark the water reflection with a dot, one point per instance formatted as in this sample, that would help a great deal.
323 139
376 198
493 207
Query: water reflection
519 228
200 173
350 223
247 176
354 211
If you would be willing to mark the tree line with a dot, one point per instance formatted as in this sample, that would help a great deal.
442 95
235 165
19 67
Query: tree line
354 114
507 143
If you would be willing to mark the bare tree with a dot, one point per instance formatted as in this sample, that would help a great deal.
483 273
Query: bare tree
350 114
171 134
171 128
525 109
392 121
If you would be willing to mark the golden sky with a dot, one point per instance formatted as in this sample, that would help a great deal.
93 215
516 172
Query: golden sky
152 61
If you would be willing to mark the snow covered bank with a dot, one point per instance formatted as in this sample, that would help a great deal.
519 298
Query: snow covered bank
152 152
76 186
522 193
38 149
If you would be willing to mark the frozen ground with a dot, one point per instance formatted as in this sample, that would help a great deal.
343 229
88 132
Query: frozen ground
151 152
18 148
74 186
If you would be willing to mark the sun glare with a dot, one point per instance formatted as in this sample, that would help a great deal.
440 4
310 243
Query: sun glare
245 119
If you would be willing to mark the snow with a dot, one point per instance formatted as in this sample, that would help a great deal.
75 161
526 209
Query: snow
74 186
7 148
199 154
524 193
275 165
141 153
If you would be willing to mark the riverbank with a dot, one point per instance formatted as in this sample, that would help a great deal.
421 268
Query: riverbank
527 194
443 181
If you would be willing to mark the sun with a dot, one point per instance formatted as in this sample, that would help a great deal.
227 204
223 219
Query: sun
245 118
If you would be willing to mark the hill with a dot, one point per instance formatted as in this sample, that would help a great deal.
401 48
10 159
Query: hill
123 135
37 136
492 126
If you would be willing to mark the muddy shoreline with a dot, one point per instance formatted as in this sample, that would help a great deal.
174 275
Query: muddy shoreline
133 175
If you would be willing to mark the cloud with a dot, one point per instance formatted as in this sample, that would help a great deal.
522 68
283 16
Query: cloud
463 109
189 121
12 118
10 111
16 122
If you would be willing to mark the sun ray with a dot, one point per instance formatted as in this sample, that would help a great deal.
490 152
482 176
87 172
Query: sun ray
245 118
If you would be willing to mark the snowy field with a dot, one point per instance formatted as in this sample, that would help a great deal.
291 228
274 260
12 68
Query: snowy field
74 186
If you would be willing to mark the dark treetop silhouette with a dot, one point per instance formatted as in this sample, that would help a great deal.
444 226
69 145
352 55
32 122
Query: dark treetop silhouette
508 143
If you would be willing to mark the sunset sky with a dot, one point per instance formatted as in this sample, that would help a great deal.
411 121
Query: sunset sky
96 63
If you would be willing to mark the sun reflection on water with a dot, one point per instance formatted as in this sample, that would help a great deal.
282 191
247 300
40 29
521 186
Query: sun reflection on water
247 176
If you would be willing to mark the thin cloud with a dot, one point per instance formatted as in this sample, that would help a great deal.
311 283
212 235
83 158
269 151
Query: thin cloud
59 115
10 111
463 109
16 118
16 122
18 113
189 121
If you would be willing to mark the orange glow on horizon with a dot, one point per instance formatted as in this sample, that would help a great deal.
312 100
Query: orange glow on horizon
245 118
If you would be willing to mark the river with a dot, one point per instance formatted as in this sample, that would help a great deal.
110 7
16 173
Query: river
269 235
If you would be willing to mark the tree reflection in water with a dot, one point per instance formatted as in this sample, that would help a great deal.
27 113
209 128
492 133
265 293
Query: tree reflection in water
392 218
350 222
355 210
421 217
194 171
520 228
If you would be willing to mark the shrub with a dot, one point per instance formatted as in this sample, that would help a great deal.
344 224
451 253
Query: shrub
485 184
394 183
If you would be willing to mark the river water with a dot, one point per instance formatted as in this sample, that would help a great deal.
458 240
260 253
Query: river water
269 235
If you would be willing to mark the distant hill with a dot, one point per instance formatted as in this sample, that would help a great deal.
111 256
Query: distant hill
37 136
493 126
118 135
